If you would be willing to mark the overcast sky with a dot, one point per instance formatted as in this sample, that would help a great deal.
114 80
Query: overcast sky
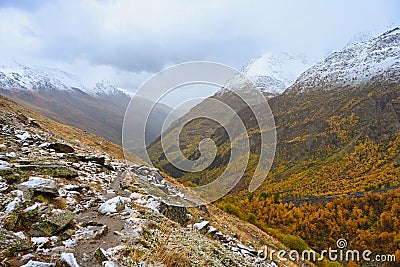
126 41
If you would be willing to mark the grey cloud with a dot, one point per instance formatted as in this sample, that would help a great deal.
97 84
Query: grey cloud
142 36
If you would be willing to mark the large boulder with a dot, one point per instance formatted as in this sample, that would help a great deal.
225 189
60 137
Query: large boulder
114 205
41 185
172 212
52 224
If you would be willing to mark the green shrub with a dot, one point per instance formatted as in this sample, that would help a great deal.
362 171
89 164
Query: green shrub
251 218
295 243
232 209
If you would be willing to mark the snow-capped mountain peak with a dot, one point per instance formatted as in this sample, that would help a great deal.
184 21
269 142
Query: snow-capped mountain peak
16 76
275 72
356 64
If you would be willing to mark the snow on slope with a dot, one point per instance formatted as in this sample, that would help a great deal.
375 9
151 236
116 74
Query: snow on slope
106 88
15 76
356 64
275 72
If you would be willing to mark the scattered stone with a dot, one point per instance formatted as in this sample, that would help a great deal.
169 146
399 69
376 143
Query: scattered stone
204 209
172 212
61 148
201 226
72 187
41 209
212 230
100 255
110 264
11 243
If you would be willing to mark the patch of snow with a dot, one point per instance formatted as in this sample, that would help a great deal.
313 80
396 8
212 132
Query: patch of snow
199 226
212 230
110 264
11 155
30 208
27 257
13 205
135 195
4 165
113 205
39 241
69 243
69 258
21 235
23 136
32 263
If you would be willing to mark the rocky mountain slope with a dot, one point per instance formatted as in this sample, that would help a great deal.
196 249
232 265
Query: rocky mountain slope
65 98
64 201
355 65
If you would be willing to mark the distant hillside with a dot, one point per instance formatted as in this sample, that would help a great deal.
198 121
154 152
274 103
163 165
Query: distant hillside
63 97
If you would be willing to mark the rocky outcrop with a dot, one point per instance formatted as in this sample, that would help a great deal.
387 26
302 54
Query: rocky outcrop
61 148
175 213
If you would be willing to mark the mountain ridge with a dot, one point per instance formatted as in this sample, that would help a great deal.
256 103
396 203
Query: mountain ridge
354 65
63 97
17 76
